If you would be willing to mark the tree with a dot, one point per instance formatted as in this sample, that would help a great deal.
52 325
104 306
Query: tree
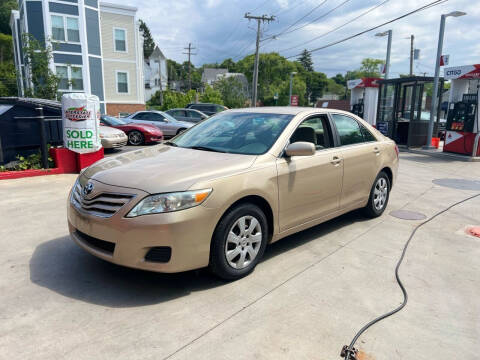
37 58
6 7
148 42
316 83
229 64
211 95
8 79
370 67
6 52
305 59
232 92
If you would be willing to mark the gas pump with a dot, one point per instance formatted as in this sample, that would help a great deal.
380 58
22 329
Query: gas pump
363 98
462 128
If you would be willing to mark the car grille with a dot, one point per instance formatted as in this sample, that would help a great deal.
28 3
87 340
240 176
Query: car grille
103 204
102 245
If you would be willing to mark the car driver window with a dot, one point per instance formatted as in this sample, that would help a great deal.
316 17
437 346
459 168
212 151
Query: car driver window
313 130
139 116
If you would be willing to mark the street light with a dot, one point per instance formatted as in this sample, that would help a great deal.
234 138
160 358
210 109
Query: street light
389 47
291 80
433 108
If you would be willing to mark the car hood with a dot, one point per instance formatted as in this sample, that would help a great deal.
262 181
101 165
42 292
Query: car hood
143 127
107 130
165 168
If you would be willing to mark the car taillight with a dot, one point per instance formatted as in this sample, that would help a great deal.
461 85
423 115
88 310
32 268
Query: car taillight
396 150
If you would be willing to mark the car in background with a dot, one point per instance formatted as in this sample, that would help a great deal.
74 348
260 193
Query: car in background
190 115
138 134
167 123
112 138
207 108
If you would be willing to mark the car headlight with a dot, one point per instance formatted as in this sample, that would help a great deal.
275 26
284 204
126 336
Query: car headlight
162 203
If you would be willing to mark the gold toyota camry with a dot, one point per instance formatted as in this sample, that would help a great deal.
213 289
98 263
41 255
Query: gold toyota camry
217 194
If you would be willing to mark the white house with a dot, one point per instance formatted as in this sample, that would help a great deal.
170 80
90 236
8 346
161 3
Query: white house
155 73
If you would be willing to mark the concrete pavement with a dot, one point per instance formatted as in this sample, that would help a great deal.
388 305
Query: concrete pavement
307 299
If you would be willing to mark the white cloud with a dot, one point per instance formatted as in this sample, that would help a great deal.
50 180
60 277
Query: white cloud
218 30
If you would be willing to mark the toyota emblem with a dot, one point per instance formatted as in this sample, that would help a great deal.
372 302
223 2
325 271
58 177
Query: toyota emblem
87 189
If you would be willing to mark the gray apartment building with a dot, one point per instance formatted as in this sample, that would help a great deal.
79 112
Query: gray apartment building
97 49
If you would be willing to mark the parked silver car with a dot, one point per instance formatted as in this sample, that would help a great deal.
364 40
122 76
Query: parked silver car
190 115
168 124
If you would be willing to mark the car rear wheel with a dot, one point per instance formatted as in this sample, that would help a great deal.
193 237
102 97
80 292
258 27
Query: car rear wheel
379 195
239 242
135 138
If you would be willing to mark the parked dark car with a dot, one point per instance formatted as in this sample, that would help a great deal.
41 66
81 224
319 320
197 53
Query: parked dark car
207 108
138 134
190 115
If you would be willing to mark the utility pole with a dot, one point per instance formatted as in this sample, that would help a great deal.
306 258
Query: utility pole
260 19
412 52
189 53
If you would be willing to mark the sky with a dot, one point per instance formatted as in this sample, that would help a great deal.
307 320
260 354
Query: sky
218 30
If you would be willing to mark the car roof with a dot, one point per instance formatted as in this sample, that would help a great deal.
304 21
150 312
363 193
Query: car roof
288 110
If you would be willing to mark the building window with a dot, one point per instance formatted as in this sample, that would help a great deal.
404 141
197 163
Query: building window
70 78
122 82
120 39
65 28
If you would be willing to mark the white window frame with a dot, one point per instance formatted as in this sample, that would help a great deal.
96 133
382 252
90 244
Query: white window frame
65 30
115 42
69 77
128 82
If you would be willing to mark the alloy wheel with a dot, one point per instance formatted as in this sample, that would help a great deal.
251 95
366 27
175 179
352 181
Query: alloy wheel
380 193
243 242
135 138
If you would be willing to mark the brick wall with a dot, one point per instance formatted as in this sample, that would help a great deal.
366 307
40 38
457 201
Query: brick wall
115 109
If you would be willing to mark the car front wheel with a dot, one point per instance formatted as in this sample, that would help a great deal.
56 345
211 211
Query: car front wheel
379 195
239 242
135 138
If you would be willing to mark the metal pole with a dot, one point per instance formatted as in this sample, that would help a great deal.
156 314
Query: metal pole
389 48
412 38
290 97
433 107
255 71
43 138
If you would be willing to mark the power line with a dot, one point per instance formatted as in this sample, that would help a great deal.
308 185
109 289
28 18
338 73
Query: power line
296 22
433 3
338 27
310 22
189 52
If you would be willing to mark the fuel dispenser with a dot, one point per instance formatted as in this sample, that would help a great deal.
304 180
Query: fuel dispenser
462 127
364 98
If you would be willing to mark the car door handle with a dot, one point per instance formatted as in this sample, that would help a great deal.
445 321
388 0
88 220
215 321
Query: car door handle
376 150
336 161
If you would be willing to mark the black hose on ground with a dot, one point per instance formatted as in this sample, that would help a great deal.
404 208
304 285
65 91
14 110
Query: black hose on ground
349 352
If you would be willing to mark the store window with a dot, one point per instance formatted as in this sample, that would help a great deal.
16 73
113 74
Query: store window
65 28
120 40
122 82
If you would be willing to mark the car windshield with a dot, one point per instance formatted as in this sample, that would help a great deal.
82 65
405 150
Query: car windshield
235 132
168 116
113 121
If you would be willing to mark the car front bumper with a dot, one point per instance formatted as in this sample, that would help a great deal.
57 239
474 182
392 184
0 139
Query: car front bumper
127 241
113 143
149 138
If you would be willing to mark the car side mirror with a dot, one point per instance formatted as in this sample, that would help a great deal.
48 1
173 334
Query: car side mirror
300 148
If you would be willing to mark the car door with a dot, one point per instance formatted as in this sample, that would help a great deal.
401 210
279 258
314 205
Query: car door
310 186
360 151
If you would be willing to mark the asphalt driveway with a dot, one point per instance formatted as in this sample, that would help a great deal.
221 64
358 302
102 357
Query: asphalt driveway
307 299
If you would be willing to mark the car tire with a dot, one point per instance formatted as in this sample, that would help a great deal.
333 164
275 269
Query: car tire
135 138
234 256
379 195
180 130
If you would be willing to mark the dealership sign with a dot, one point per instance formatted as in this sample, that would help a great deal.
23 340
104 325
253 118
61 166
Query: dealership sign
462 72
81 120
294 100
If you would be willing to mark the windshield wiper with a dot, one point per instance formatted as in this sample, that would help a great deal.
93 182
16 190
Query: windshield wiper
205 148
170 143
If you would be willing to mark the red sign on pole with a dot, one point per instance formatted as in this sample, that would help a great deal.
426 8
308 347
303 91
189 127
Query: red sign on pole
294 100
